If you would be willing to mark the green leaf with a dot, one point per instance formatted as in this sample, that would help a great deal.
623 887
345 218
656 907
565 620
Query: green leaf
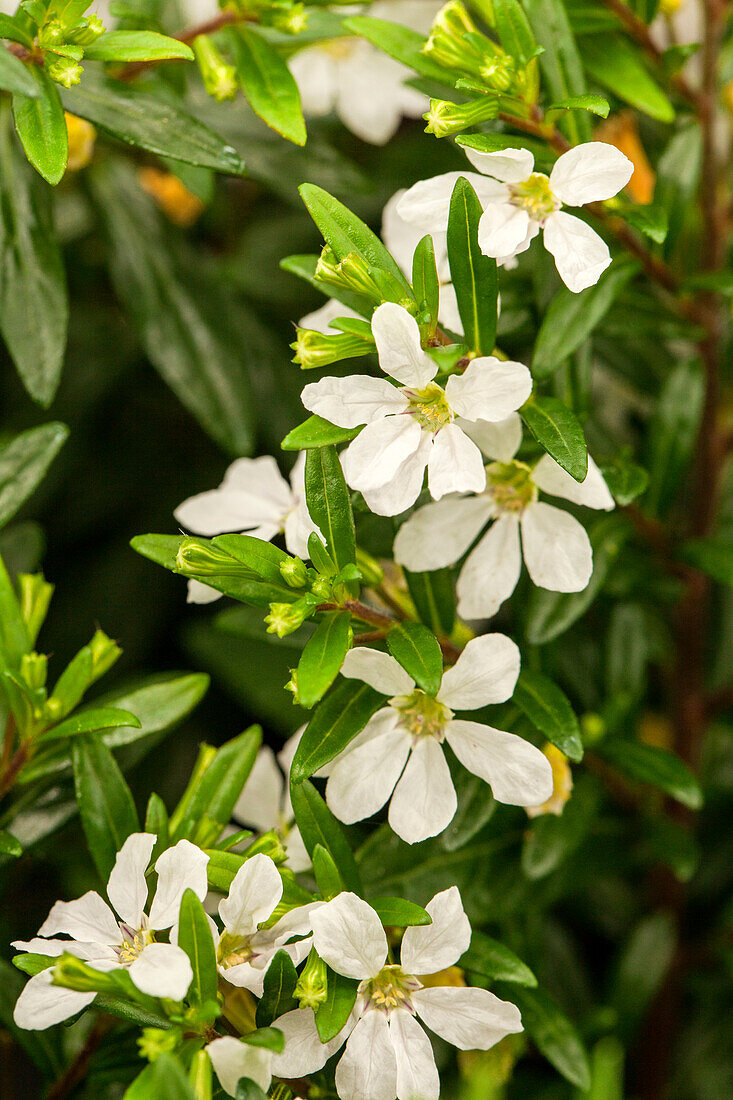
335 723
494 961
163 1079
346 233
474 275
34 310
162 549
560 61
107 811
553 1033
558 430
571 318
641 968
625 480
417 650
673 434
141 119
194 936
553 838
279 986
11 27
515 33
617 65
398 913
91 721
23 465
650 219
653 765
14 640
548 708
476 806
10 845
15 76
268 84
596 104
713 556
317 432
160 703
329 503
321 660
261 557
41 127
434 596
136 46
425 282
180 313
266 1038
332 1014
401 43
318 826
212 802
249 1090
607 1071
326 873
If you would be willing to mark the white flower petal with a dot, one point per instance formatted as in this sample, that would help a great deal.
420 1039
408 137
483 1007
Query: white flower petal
417 1074
455 464
448 314
557 550
180 868
397 337
381 722
489 389
260 802
380 670
374 457
304 1053
424 802
368 1068
592 492
217 511
201 593
491 571
317 77
127 888
507 165
590 172
255 891
162 970
470 1019
400 237
348 935
440 533
581 256
42 1004
371 99
320 319
298 527
90 952
362 781
429 948
517 772
499 441
402 491
427 203
88 918
297 855
502 229
486 672
232 1059
352 401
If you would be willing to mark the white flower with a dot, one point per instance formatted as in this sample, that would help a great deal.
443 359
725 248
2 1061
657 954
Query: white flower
320 319
387 1052
244 951
107 940
265 801
557 550
400 754
518 202
253 499
413 426
362 84
233 1059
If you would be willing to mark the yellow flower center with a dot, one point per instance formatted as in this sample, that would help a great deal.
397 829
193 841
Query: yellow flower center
429 407
390 989
534 196
422 715
510 485
340 48
233 950
133 944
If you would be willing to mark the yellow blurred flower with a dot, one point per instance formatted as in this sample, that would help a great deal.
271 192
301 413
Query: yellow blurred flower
178 204
622 131
452 976
82 137
562 783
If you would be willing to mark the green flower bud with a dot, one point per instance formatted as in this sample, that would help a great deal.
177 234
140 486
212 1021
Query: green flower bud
33 670
317 349
371 571
456 43
155 1041
196 558
285 618
87 31
34 595
269 844
312 986
51 34
351 273
63 70
292 20
219 77
72 973
294 572
322 588
499 73
104 653
446 118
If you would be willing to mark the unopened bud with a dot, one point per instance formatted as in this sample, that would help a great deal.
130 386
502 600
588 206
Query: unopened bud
351 273
196 558
446 118
34 594
72 973
269 844
317 349
294 572
104 653
322 588
63 70
499 72
155 1041
169 193
290 20
51 34
219 77
87 31
311 989
456 43
33 670
286 618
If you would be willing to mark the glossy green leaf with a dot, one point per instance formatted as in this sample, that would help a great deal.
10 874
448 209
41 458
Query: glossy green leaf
14 75
163 1079
23 465
560 61
267 1038
212 801
14 640
673 434
548 708
247 1089
317 432
268 84
335 723
476 807
107 811
434 596
494 961
10 845
425 282
650 219
713 556
554 1034
658 767
398 913
515 33
625 479
136 46
329 503
261 557
326 873
41 127
401 43
323 657
12 28
279 987
641 969
318 826
91 721
553 838
616 64
558 430
596 104
416 648
194 936
332 1014
474 275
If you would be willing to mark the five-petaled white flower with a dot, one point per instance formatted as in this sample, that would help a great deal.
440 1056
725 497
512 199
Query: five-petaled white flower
387 1052
400 749
518 202
106 942
413 426
244 951
253 499
362 84
265 801
557 550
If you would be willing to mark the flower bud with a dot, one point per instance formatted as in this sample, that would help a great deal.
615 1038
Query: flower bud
34 594
288 18
33 670
219 77
446 118
294 572
72 973
456 43
351 273
87 31
155 1041
51 34
82 137
104 653
286 618
200 1076
317 349
63 70
499 73
311 989
196 558
269 844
